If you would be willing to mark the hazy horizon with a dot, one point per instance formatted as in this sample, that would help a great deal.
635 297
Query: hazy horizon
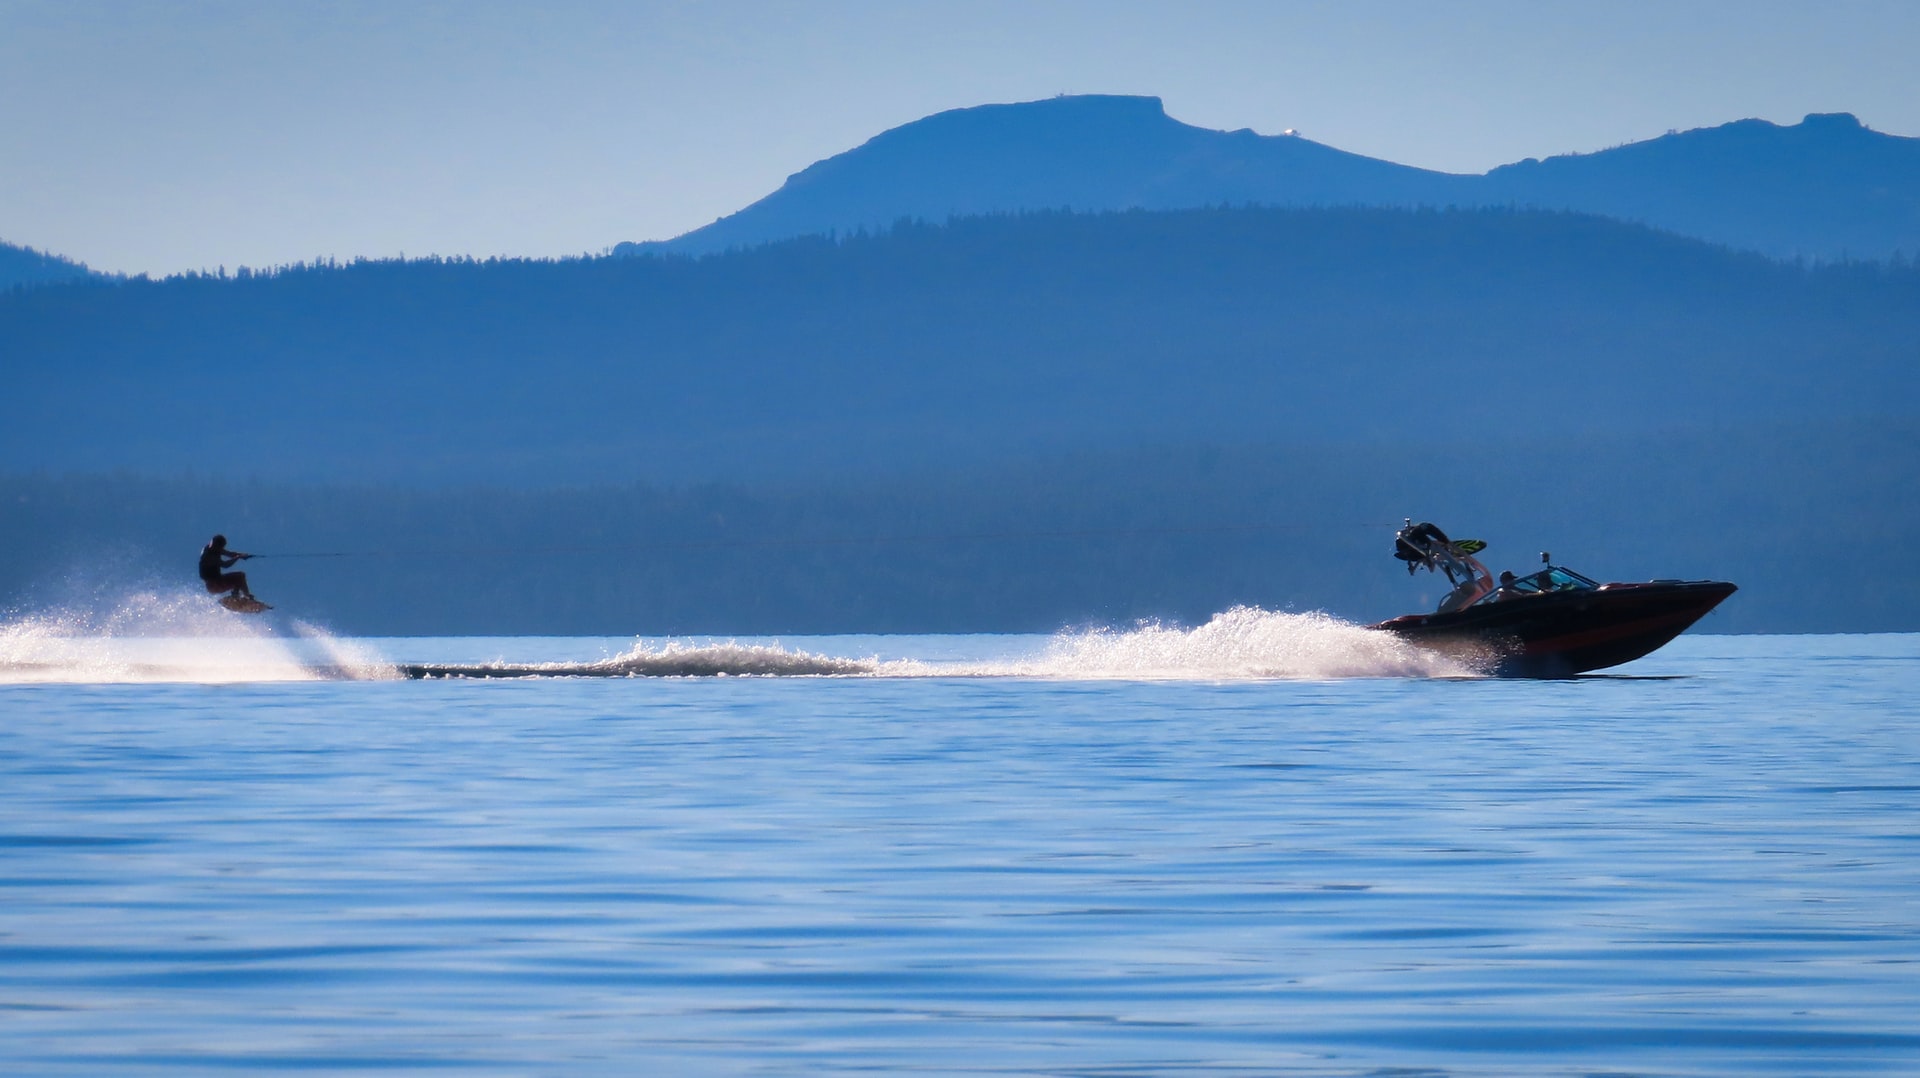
170 138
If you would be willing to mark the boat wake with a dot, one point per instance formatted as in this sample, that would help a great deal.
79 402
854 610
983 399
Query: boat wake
673 659
160 637
1242 643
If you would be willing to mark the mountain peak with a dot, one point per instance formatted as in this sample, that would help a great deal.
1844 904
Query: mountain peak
1024 127
1062 108
1134 105
1086 152
1825 187
1832 121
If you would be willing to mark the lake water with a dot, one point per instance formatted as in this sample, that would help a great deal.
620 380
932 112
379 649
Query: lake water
1263 846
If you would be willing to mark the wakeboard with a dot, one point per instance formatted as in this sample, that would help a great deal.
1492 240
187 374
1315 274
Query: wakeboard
240 604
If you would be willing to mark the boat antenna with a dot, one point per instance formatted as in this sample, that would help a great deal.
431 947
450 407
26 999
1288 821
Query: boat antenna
1546 558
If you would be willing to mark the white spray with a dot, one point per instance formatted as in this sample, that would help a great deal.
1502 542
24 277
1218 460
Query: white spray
170 636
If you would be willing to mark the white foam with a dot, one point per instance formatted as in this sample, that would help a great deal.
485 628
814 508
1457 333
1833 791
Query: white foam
342 656
159 636
1242 643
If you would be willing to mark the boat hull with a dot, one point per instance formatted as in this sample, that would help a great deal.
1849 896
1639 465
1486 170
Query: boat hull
1564 633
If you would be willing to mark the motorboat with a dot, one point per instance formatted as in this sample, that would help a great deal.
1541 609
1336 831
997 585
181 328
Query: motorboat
1550 623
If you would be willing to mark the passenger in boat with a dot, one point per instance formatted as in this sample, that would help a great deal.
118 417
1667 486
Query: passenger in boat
1468 593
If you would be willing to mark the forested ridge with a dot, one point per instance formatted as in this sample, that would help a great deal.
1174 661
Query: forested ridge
23 268
979 340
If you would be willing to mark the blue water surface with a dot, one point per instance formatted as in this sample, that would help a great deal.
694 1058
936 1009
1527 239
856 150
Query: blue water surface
1709 865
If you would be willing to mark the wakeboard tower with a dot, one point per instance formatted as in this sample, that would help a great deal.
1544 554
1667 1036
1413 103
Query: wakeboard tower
1424 546
1551 623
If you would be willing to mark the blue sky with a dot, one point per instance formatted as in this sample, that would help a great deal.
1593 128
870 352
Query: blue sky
156 137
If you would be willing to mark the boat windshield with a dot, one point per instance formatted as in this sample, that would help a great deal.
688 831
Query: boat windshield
1554 578
1551 579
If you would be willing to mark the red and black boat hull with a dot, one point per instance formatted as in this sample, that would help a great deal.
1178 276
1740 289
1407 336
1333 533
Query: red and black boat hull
1567 632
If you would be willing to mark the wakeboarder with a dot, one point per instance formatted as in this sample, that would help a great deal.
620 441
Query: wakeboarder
215 560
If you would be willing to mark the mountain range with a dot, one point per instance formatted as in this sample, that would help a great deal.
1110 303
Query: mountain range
1825 188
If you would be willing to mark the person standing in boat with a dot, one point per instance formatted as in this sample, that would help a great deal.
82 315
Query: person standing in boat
215 560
